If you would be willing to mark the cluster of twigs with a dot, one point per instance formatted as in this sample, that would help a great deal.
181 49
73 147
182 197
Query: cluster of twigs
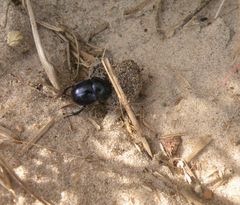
82 53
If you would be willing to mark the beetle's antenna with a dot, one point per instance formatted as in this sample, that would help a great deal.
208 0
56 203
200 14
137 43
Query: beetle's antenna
66 89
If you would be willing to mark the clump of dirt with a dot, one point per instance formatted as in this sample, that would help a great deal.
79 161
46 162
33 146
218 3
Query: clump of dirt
129 75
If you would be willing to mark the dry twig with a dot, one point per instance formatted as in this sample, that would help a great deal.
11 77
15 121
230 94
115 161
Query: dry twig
49 69
37 137
219 9
183 22
123 101
191 15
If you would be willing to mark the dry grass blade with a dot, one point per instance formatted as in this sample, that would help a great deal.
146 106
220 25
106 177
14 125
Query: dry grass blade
200 145
7 135
32 141
94 123
98 29
13 175
123 101
5 180
86 57
219 9
49 69
136 8
68 50
74 42
51 27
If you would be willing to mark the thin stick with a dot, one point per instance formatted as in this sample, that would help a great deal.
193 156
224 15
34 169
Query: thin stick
98 29
37 137
68 50
48 67
20 182
51 27
219 9
189 17
123 100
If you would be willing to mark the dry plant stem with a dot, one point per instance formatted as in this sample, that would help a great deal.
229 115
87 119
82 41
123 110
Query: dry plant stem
73 48
68 51
219 9
136 8
49 69
123 101
19 181
51 27
203 142
37 137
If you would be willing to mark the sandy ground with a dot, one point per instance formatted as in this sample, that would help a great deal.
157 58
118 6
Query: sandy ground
187 89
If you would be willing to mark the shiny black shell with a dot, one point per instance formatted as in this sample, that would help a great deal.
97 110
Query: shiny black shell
88 91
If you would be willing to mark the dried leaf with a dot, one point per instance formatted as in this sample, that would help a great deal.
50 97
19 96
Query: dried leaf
14 38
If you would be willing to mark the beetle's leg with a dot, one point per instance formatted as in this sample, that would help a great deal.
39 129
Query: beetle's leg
75 113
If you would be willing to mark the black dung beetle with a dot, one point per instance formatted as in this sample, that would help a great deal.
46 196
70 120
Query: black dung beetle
89 91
